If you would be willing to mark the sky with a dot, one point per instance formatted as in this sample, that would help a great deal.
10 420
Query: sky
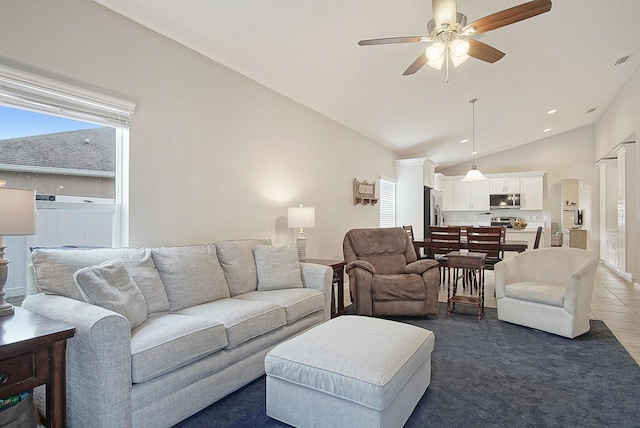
15 123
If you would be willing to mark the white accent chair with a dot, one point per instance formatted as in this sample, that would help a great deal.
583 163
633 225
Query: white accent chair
548 289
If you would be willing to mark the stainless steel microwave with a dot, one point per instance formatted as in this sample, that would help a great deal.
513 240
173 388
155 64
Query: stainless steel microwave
504 200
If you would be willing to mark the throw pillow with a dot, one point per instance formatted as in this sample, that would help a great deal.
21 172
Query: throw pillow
239 264
277 267
110 286
191 275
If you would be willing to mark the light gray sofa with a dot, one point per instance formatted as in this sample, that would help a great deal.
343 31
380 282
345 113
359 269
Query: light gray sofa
212 313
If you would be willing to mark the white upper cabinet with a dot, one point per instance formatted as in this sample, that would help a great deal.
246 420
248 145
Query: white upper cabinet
531 193
447 195
504 185
458 195
470 195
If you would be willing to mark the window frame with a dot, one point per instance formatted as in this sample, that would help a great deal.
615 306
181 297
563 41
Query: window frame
27 91
385 199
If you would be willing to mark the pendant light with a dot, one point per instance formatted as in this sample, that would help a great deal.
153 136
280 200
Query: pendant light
474 173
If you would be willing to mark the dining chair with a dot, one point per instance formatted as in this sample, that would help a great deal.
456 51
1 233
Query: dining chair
503 237
485 239
417 247
409 230
444 239
536 243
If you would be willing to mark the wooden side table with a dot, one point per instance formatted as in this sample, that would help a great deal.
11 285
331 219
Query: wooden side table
32 353
337 308
473 264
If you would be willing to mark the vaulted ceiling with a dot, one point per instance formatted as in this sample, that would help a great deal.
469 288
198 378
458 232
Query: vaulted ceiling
308 51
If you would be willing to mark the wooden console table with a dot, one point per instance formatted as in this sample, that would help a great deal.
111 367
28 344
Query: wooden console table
337 308
32 353
472 265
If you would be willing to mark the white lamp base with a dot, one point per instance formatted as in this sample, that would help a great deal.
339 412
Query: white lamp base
301 242
5 308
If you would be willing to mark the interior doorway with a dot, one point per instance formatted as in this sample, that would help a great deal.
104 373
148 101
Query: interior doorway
571 208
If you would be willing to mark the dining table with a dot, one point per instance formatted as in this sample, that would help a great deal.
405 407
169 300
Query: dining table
424 246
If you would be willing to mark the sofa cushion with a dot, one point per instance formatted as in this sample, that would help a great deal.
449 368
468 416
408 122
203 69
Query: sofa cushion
541 292
297 303
166 342
242 319
54 269
239 264
277 267
110 286
191 275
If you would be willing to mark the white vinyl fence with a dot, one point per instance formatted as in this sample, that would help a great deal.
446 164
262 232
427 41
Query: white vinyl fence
56 227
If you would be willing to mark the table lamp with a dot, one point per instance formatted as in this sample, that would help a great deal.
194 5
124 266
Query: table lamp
302 217
17 217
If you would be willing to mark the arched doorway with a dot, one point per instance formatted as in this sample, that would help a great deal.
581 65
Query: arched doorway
570 202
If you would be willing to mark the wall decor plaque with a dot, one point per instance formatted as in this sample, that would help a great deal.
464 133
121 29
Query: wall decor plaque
364 193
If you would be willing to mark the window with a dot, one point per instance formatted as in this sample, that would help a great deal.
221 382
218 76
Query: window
387 202
71 146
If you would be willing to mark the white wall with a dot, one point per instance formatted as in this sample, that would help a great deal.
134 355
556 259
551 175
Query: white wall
619 123
214 155
410 195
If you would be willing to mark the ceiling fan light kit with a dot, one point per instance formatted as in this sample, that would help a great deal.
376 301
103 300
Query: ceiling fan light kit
451 38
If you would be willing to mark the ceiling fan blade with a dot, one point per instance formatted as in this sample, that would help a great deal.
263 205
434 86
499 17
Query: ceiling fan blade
484 52
444 11
510 16
390 40
417 65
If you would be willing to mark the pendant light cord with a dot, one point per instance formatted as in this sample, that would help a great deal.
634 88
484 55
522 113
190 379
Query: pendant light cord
473 132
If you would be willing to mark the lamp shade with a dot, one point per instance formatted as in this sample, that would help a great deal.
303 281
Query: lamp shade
301 217
474 174
17 212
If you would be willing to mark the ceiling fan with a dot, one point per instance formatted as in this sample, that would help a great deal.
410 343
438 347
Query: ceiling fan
450 37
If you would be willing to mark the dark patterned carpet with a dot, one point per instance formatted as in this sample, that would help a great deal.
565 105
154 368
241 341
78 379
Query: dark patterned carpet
488 373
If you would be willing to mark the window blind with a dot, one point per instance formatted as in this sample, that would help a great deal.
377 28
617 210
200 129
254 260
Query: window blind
36 93
387 202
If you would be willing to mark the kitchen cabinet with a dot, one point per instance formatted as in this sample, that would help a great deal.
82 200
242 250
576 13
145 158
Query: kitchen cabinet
578 238
429 168
470 195
531 193
447 195
504 185
612 254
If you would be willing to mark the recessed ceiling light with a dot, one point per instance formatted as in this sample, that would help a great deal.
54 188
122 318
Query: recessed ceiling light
474 153
466 140
547 130
552 111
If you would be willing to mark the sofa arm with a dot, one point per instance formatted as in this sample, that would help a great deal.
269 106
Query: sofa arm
319 277
508 271
421 266
98 360
580 287
362 265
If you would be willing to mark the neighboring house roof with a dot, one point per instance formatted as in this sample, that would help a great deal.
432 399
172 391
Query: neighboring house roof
84 150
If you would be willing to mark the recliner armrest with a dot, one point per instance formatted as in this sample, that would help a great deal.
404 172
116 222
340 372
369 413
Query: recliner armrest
360 264
421 266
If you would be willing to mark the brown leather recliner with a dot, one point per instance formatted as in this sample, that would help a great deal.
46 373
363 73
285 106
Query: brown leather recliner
385 277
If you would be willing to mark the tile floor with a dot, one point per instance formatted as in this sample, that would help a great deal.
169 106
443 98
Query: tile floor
616 301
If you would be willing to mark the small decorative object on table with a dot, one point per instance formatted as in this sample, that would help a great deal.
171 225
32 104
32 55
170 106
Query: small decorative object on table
519 224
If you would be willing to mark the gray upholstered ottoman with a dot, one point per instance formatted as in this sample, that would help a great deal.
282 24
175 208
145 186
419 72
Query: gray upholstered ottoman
352 371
